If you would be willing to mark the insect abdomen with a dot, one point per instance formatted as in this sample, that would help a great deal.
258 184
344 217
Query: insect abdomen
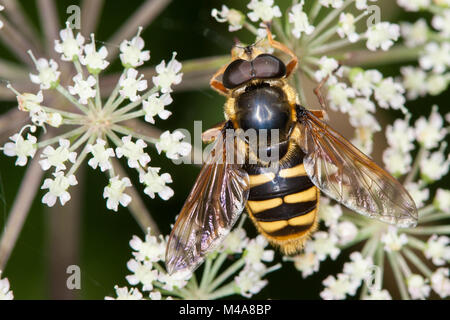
283 204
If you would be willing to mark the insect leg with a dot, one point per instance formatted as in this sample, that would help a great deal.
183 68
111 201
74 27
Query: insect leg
319 94
292 64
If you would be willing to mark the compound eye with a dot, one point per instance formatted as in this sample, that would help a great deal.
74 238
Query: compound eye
238 72
267 66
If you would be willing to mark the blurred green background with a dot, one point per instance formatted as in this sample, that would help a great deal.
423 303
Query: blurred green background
185 27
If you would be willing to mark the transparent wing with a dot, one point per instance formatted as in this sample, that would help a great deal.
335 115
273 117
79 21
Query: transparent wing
347 175
213 206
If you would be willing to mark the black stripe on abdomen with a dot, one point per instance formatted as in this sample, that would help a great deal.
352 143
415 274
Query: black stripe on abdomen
286 211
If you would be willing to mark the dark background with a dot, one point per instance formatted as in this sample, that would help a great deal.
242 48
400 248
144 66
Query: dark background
185 27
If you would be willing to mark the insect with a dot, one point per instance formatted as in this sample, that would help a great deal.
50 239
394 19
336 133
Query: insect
282 203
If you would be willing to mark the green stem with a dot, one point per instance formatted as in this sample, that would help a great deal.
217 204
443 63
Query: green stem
205 275
98 100
435 217
66 135
135 104
114 93
125 131
227 273
417 262
216 266
225 291
429 230
398 276
128 116
81 157
72 99
415 168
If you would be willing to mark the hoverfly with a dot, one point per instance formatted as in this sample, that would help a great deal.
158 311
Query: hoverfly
312 157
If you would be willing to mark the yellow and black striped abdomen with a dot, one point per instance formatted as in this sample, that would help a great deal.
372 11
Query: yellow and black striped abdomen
283 204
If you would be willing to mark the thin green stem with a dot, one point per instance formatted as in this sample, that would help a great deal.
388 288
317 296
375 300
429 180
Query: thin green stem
205 275
398 275
250 28
227 273
81 157
415 260
114 93
429 230
216 266
128 116
80 141
416 243
125 131
425 211
328 19
415 168
72 99
332 46
435 217
98 99
135 104
64 113
66 135
224 291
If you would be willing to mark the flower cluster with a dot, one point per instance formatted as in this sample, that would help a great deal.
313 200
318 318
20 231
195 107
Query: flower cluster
97 129
416 154
248 269
5 291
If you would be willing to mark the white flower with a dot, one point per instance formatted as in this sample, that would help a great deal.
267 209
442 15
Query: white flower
83 88
339 95
176 280
430 132
326 68
234 17
151 249
48 74
235 241
94 60
436 84
415 34
263 9
362 4
438 249
130 85
154 105
440 282
347 27
125 294
433 167
442 200
360 268
32 103
418 192
400 135
413 80
1 22
156 183
417 287
378 295
168 75
413 5
114 193
396 161
334 3
382 34
249 282
57 157
390 94
69 47
436 57
329 214
300 20
57 188
142 273
100 155
337 289
392 240
155 295
172 145
21 148
346 231
255 253
134 152
132 55
323 245
360 116
441 22
307 263
363 82
5 292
